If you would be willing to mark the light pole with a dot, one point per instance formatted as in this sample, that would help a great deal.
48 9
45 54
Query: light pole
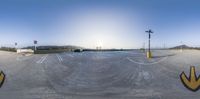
16 46
149 55
35 42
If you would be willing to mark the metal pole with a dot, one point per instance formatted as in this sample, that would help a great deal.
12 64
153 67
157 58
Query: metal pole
35 42
149 50
35 47
15 45
149 41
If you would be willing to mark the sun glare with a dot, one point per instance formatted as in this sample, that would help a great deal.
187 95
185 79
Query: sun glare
96 29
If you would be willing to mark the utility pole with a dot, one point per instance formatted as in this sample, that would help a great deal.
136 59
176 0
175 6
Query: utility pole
149 55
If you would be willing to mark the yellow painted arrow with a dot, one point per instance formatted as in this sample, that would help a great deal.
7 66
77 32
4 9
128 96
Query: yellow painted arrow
192 83
2 78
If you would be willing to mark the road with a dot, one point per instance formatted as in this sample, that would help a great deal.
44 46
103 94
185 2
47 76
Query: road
98 75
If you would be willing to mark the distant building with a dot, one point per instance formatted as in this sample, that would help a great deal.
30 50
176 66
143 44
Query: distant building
25 51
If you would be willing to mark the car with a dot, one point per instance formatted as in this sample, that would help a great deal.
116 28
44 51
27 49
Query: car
78 50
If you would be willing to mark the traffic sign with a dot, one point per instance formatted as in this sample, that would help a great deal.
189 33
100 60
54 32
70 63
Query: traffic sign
35 42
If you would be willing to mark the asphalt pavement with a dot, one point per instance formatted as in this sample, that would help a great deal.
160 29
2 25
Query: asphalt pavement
98 75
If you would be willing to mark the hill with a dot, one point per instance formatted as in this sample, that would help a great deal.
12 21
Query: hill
182 47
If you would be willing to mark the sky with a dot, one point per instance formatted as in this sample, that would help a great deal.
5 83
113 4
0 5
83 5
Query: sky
105 23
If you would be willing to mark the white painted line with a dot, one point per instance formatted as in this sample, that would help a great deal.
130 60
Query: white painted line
22 58
142 63
70 55
18 58
42 59
134 53
59 58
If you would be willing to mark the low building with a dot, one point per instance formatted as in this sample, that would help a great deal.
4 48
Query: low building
25 51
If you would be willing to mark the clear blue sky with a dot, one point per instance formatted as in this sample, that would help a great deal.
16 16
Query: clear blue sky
106 23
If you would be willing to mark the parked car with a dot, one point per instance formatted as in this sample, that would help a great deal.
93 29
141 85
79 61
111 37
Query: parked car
78 50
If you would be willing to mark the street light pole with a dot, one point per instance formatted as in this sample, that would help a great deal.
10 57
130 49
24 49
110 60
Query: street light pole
35 42
16 46
149 49
149 39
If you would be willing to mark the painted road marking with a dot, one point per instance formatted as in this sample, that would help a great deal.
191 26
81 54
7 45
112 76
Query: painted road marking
19 58
142 63
42 59
59 58
133 53
22 58
70 55
192 82
2 78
